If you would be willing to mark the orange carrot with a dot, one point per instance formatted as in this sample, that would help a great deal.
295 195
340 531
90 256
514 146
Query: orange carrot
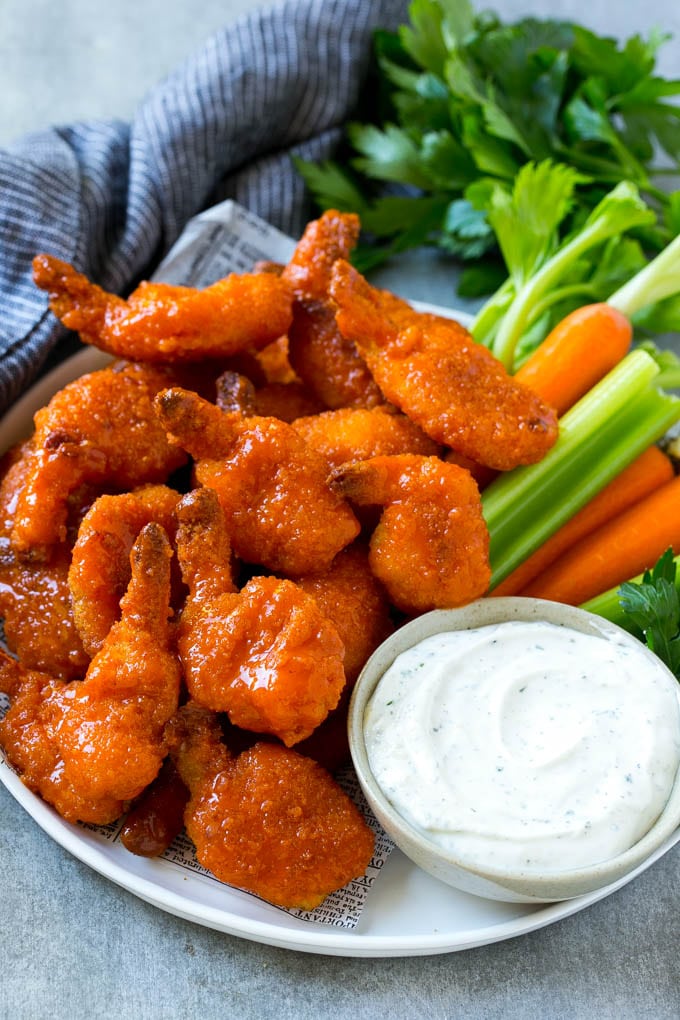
622 548
648 472
576 354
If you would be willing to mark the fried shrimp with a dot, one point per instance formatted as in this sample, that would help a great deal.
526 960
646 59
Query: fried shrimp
236 394
268 482
160 322
360 433
431 546
100 563
266 655
100 429
89 747
325 360
432 369
269 821
34 597
349 595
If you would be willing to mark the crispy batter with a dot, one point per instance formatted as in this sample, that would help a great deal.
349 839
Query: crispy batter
99 429
360 433
349 595
100 566
271 821
88 747
236 394
34 597
326 361
267 480
431 546
266 656
160 322
434 371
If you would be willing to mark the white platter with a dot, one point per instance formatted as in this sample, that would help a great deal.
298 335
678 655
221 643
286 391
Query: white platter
407 913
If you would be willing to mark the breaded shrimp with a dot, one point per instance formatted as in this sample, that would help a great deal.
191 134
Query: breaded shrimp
100 429
100 563
326 361
160 322
354 433
236 394
34 597
280 511
89 747
431 546
349 595
432 369
266 655
270 821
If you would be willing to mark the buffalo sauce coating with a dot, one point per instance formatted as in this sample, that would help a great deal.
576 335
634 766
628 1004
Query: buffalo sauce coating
34 596
267 657
433 370
162 322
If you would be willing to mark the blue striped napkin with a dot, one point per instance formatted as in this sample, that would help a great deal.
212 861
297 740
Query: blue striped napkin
112 197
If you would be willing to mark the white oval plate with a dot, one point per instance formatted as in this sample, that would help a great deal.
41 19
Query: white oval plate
407 912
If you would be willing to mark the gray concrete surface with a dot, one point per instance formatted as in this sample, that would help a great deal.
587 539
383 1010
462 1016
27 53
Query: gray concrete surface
72 944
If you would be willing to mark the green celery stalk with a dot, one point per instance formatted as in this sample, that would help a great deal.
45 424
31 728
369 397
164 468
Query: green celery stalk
603 433
659 279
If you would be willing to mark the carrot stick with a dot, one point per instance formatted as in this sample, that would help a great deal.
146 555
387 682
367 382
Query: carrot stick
625 546
647 473
576 354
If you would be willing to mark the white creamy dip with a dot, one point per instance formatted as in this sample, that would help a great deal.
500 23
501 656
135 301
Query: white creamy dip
526 745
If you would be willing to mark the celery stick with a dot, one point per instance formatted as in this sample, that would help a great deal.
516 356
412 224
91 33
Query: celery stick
618 211
659 279
600 436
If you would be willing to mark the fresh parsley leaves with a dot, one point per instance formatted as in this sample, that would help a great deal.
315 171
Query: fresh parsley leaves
464 98
653 607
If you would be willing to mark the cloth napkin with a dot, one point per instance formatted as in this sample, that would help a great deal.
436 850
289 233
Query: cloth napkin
112 197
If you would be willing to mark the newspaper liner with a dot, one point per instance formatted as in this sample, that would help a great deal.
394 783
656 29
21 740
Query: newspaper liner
229 239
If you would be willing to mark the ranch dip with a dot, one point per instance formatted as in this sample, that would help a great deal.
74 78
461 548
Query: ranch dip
526 745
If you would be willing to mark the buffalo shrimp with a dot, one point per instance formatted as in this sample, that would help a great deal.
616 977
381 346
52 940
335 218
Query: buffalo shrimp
100 429
265 655
268 482
430 548
325 360
100 561
164 323
34 596
432 369
357 433
269 820
89 747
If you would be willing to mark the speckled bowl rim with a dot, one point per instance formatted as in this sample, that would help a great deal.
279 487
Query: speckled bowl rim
483 612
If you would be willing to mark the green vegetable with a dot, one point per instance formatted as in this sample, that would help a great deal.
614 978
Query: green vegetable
606 430
464 97
549 279
649 607
525 221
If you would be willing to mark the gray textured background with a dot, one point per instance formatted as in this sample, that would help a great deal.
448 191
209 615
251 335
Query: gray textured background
74 945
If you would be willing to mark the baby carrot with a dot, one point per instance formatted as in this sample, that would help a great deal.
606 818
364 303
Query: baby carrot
576 354
625 546
649 471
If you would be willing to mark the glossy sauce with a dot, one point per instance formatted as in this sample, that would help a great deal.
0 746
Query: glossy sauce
526 745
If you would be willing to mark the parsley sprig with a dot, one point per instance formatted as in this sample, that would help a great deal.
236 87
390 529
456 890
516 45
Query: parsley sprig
464 97
653 606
